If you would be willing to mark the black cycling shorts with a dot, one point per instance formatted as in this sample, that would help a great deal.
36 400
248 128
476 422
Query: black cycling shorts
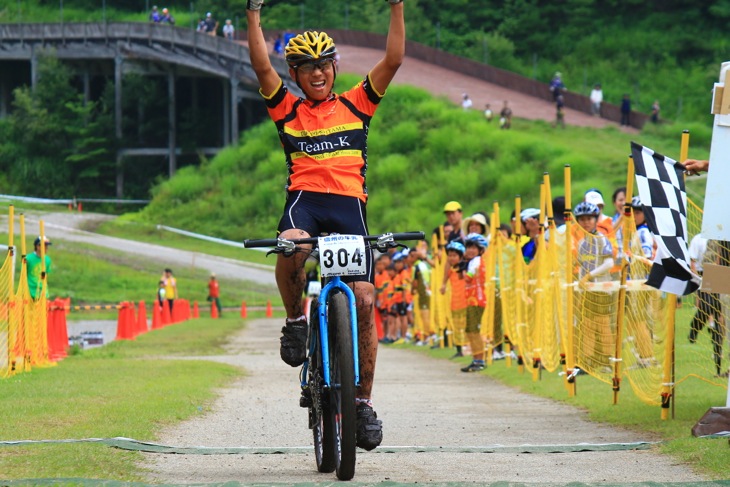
326 213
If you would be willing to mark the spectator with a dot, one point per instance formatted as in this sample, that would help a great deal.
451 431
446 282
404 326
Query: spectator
466 102
488 114
477 223
155 15
201 25
421 287
455 277
166 17
453 213
161 293
655 111
596 99
228 30
530 228
288 35
279 45
35 268
605 225
505 116
170 287
557 87
626 110
619 200
211 25
214 294
476 300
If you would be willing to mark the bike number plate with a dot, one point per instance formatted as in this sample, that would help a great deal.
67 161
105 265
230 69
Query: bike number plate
342 255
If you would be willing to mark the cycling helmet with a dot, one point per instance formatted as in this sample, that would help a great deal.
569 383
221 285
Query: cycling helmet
477 239
398 256
456 247
586 208
309 46
636 203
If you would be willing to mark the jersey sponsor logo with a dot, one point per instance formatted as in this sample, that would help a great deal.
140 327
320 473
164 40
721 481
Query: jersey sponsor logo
328 155
326 131
326 145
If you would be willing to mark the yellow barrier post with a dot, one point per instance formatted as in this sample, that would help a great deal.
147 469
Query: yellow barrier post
538 290
620 313
42 296
570 375
491 291
517 281
668 373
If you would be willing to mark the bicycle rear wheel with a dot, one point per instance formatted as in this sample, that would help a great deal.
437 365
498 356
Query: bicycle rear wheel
342 381
319 414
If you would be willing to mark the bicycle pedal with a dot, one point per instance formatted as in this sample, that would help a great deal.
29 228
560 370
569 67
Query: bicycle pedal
305 400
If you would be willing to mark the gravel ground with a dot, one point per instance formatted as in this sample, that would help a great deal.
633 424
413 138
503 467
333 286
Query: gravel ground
422 401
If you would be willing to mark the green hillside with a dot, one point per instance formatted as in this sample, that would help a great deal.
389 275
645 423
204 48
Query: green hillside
423 151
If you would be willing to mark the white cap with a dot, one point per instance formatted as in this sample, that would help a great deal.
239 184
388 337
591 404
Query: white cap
528 213
594 197
208 14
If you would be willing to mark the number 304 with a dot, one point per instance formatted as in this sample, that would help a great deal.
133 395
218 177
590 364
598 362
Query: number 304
343 258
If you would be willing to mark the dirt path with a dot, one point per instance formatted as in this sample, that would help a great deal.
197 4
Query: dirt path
422 401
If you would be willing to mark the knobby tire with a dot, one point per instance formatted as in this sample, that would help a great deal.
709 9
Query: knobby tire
322 432
342 380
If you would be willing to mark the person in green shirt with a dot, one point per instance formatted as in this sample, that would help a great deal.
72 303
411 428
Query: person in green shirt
33 261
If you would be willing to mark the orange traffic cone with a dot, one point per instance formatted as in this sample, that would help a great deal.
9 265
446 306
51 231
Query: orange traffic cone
244 312
213 310
141 319
124 325
165 315
80 207
157 315
269 311
196 311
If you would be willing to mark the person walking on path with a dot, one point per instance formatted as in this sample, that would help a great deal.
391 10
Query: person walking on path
214 294
596 99
323 196
626 110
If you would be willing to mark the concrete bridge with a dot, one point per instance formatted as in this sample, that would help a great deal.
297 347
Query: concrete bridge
195 64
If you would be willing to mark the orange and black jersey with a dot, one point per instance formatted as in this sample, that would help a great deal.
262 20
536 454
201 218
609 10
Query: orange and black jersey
325 142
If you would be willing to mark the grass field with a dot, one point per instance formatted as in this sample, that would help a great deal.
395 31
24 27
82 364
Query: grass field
127 388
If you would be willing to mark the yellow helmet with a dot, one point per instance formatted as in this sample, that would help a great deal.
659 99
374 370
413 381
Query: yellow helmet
309 46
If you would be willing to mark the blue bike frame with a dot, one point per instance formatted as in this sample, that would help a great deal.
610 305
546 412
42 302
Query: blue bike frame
334 283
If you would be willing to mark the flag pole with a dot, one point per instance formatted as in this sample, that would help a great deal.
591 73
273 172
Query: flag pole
668 373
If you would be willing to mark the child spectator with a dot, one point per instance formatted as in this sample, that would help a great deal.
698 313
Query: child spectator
391 324
476 300
594 255
382 280
161 293
400 297
488 113
166 17
421 288
453 276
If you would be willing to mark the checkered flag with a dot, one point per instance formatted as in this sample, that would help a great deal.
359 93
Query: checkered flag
660 182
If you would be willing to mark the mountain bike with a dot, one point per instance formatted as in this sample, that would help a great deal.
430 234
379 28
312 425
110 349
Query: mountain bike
331 374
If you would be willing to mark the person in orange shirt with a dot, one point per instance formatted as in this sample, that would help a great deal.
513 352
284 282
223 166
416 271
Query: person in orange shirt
214 294
400 298
324 139
382 280
476 299
455 278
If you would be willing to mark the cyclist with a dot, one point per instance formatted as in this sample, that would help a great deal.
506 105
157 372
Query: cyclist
324 137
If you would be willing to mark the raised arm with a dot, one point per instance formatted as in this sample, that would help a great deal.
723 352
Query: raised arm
395 49
268 77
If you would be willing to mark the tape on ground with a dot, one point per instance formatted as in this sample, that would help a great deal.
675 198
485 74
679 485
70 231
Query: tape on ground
144 446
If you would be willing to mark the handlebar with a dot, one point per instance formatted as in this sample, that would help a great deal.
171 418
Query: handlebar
384 239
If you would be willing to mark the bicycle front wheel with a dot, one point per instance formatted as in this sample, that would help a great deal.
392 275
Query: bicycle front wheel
319 413
342 381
